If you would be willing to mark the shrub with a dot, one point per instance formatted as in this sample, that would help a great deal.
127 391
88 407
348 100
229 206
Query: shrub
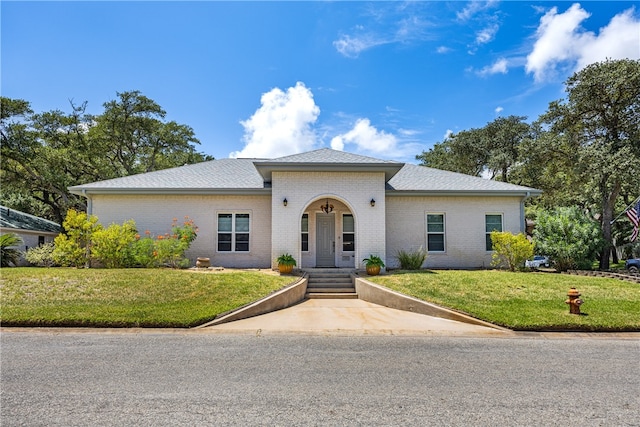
411 260
41 256
74 247
510 249
568 237
114 246
168 249
8 255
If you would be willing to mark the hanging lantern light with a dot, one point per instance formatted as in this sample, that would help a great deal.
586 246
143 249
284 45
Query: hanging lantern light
326 208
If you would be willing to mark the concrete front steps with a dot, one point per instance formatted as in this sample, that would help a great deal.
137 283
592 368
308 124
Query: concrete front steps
330 283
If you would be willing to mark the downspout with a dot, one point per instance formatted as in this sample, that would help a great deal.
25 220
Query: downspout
89 202
523 220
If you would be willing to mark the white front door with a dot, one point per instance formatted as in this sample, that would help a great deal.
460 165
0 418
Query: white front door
325 240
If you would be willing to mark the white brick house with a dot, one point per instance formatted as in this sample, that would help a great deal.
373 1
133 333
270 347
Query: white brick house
250 211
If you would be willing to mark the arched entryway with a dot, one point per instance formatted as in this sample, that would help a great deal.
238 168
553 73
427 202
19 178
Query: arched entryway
328 228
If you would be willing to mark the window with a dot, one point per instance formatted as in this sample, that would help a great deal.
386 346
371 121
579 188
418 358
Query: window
348 233
233 232
40 240
304 231
435 232
493 222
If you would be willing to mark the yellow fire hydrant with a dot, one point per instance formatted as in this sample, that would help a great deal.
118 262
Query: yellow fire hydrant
574 301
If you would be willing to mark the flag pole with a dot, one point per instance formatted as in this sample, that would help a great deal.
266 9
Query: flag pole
625 210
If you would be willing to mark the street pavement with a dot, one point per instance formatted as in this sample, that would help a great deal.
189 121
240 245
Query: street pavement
134 377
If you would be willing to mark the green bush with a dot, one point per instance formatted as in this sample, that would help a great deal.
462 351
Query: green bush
114 246
74 248
568 237
8 255
120 246
411 260
40 256
510 250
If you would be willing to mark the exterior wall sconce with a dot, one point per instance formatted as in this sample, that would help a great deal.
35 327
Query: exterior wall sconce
285 202
372 202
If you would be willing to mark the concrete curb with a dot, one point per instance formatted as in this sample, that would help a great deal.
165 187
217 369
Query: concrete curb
291 295
376 294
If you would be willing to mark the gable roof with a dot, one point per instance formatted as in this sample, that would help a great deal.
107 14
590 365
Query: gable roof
328 160
413 179
11 218
225 175
253 176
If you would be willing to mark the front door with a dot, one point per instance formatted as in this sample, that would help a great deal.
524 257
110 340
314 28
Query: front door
325 240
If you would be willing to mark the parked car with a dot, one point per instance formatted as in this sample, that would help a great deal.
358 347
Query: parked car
633 265
537 262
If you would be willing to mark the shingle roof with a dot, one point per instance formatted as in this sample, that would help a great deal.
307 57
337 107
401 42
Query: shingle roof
413 178
254 175
11 218
224 174
327 155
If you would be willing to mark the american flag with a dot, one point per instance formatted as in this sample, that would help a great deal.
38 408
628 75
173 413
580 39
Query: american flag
634 216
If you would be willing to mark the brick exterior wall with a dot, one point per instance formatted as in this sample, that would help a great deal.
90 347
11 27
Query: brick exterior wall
396 222
349 192
464 227
156 213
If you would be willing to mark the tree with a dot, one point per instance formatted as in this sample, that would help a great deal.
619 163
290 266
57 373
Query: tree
569 237
45 153
598 129
493 148
133 137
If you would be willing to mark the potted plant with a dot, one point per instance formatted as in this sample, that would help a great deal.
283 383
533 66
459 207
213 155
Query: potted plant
373 264
286 262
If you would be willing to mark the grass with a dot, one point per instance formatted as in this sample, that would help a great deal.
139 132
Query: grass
126 298
525 301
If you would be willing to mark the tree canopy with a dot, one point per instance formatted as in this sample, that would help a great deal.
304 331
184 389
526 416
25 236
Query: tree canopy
584 151
45 153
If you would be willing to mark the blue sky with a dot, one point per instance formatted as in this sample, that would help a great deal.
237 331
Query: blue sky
266 79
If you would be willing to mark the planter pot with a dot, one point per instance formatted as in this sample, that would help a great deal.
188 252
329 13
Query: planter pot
202 262
285 269
373 270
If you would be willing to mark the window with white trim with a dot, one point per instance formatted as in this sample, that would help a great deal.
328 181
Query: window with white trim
435 232
304 233
233 232
348 233
493 222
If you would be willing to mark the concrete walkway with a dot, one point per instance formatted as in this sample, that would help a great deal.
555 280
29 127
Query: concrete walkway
350 317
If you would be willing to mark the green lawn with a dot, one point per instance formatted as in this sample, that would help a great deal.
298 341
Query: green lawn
178 298
127 297
525 301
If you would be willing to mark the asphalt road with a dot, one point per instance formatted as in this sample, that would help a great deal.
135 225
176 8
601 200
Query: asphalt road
164 378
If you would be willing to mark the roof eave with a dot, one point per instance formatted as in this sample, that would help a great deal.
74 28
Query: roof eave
88 191
267 168
467 193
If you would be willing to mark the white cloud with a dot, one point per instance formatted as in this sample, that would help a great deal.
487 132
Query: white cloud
367 138
474 7
390 23
352 46
443 49
618 40
498 67
561 41
447 134
487 34
499 110
282 125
